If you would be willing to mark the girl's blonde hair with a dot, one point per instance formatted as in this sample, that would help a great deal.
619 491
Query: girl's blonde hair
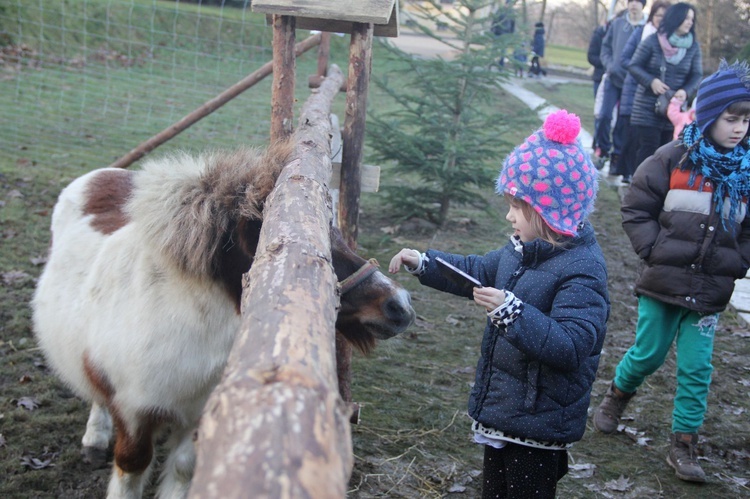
537 223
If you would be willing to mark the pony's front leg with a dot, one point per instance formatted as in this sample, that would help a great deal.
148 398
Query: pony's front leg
97 437
179 468
125 485
134 452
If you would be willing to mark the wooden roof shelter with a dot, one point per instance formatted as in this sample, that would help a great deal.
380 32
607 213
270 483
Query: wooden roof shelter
338 16
274 464
362 19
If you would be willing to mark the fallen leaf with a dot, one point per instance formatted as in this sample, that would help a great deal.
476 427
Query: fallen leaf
452 320
29 403
25 379
742 482
38 464
13 277
38 260
582 470
621 484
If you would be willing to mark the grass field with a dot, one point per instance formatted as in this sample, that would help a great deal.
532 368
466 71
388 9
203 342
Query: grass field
566 56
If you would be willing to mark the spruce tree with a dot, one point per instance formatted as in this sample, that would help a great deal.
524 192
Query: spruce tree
445 136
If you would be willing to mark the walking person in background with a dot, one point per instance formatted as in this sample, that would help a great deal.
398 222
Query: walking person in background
686 216
520 58
594 58
594 55
627 162
503 23
613 44
669 60
537 48
545 297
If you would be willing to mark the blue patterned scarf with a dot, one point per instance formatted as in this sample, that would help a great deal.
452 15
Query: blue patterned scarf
729 172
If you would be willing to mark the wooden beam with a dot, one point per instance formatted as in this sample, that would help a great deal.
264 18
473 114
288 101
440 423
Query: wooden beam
357 11
353 134
389 30
284 74
339 20
275 426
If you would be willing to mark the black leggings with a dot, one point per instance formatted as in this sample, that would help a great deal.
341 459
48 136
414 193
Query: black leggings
518 471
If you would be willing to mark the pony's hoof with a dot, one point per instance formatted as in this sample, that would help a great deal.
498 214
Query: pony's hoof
95 456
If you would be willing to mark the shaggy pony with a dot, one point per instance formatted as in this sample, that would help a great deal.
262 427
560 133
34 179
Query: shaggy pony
138 305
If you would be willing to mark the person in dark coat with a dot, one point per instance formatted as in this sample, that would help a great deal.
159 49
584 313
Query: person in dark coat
545 297
627 162
669 60
614 42
594 57
537 49
686 214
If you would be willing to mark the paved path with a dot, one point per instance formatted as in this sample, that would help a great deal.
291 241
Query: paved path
425 46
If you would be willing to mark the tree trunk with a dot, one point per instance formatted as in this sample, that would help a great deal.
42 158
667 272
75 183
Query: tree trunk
709 30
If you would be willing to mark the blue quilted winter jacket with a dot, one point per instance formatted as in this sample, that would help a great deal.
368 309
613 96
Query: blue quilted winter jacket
534 378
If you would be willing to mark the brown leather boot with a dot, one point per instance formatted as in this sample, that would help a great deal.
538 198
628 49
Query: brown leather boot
683 457
609 412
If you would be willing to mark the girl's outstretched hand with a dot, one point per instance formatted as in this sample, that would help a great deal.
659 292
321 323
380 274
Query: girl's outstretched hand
489 298
406 256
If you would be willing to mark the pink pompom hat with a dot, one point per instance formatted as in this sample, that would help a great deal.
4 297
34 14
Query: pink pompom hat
552 172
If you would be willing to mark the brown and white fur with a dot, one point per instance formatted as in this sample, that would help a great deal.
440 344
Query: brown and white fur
138 305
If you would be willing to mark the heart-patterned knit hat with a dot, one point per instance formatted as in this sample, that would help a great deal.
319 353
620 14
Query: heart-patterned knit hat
553 173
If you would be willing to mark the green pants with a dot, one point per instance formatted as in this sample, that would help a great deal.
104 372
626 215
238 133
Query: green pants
659 325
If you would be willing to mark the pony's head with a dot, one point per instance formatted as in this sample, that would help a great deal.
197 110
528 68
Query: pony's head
373 306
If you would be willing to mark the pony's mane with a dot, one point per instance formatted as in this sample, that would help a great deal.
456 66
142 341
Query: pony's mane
184 205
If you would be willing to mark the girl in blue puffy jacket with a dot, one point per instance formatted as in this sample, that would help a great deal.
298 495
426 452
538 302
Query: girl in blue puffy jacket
545 295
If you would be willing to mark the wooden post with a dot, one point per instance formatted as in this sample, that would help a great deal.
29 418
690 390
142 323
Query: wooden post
324 51
208 108
275 426
353 136
284 74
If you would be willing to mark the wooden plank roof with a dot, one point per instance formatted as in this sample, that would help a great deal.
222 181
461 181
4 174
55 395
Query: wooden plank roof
335 16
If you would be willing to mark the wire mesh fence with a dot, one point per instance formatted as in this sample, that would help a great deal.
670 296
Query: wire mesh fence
82 82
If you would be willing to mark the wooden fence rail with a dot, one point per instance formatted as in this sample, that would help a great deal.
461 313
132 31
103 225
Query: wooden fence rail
276 426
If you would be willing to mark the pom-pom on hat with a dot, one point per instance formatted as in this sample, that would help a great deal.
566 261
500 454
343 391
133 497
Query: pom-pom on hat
553 173
730 84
